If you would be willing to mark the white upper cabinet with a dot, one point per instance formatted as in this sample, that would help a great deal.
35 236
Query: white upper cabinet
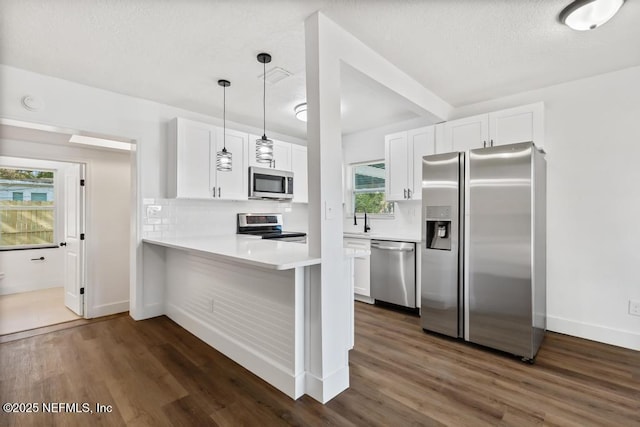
396 177
466 134
281 154
191 168
519 124
299 169
230 185
403 158
422 142
189 156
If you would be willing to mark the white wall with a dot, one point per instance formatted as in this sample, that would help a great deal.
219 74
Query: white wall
18 273
108 207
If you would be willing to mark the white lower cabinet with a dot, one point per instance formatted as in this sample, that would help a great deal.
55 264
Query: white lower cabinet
361 269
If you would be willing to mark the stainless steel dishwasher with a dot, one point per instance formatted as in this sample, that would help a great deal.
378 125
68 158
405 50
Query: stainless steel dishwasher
393 272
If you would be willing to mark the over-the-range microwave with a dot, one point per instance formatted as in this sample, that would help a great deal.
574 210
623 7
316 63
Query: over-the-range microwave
265 183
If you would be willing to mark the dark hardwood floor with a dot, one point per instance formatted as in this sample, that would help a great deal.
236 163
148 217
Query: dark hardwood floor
155 373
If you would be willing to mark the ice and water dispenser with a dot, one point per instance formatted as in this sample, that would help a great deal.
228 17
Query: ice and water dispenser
438 227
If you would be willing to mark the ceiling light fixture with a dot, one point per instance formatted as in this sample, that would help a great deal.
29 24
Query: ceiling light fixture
223 158
583 15
301 111
264 146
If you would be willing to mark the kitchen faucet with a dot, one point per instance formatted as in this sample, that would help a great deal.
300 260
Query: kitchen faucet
366 221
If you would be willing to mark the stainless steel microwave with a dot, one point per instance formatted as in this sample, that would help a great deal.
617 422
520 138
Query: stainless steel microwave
265 183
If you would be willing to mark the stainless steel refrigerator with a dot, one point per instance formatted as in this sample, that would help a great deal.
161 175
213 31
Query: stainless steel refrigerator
484 247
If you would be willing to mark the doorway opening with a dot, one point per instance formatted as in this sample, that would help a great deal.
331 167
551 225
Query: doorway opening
42 253
109 225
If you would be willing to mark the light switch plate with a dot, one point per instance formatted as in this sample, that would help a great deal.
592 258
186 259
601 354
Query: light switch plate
331 209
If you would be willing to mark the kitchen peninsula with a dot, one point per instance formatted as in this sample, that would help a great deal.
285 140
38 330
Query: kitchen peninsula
244 296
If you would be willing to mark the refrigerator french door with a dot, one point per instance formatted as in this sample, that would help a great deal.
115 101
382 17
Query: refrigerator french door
496 233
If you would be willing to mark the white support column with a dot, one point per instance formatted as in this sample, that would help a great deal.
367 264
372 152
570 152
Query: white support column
327 311
328 364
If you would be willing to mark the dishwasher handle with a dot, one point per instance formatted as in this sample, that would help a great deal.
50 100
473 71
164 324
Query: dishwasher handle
392 248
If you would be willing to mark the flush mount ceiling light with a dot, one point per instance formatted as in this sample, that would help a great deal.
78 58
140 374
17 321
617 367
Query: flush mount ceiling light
223 158
264 146
301 111
583 15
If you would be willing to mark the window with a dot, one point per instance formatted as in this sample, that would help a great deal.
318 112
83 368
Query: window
368 189
27 206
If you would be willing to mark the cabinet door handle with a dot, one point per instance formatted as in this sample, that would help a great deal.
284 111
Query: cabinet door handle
218 191
492 142
405 192
408 193
214 192
484 144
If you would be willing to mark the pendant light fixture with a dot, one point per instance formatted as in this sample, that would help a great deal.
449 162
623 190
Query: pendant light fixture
264 146
223 158
583 15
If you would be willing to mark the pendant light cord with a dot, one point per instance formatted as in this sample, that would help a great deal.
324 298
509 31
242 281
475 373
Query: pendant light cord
264 100
224 118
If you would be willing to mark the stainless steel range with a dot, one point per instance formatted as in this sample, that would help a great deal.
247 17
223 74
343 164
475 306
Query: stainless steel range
268 226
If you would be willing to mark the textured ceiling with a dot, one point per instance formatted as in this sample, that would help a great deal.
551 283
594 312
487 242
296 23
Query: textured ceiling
173 52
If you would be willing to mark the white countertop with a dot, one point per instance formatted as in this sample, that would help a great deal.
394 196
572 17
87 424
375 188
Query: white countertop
381 236
250 250
245 249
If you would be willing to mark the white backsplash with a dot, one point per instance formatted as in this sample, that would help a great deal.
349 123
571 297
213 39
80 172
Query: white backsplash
405 222
164 218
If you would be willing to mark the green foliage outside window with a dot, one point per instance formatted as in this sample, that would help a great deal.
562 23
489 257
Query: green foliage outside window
368 189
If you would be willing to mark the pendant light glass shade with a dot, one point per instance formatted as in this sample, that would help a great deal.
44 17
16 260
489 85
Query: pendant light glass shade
264 146
584 15
264 150
224 159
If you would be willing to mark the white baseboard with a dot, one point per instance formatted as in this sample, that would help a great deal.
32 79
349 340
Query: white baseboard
363 298
278 376
8 290
617 337
323 390
107 309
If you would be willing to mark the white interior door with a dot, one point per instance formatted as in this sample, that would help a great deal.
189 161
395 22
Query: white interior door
73 243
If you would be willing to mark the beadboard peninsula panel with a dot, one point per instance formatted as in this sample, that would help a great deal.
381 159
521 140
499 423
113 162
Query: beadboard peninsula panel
248 314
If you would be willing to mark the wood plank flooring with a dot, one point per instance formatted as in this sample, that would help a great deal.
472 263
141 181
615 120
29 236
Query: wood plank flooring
154 373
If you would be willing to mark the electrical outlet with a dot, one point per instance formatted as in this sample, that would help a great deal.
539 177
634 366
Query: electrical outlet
154 211
634 308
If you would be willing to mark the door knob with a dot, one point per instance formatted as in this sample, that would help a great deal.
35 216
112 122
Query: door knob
63 244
